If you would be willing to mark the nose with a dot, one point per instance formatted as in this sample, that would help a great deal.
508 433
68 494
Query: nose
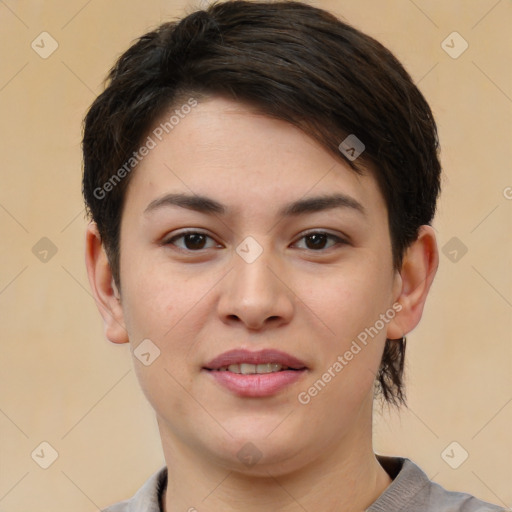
256 294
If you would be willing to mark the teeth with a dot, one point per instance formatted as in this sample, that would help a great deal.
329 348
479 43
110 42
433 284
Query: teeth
268 368
250 369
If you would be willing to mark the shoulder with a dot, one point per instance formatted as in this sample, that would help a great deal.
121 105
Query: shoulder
147 498
122 506
449 501
412 491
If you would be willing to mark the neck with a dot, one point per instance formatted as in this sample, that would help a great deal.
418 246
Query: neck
346 476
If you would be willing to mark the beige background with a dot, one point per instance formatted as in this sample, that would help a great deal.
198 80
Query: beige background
63 383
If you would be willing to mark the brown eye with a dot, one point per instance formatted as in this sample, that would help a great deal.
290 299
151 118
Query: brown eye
192 241
319 240
316 241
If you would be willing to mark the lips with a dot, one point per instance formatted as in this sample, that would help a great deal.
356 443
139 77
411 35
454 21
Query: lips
255 374
239 357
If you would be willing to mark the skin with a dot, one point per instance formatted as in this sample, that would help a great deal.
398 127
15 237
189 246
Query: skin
308 300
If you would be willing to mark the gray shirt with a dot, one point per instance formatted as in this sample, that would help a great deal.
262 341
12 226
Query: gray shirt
410 491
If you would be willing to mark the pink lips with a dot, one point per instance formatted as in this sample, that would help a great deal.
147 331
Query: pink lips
260 357
255 385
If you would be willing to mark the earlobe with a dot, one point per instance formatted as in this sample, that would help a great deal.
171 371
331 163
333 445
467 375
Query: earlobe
102 284
419 267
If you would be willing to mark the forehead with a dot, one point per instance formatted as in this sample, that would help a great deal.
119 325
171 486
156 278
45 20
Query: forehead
244 159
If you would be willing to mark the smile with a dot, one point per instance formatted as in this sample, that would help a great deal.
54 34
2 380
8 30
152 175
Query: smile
250 369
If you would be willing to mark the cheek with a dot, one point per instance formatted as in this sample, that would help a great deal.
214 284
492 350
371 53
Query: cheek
350 301
350 298
165 309
156 298
170 308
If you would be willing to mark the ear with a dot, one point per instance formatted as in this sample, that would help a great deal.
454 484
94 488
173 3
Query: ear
103 287
419 267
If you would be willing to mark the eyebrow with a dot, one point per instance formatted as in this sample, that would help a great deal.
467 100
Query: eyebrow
210 206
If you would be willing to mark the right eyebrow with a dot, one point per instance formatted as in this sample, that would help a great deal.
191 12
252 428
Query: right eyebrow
201 204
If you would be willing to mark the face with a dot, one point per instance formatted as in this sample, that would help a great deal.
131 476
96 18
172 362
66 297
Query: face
240 233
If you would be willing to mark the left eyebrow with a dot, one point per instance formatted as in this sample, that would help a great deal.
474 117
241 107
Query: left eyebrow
210 206
321 203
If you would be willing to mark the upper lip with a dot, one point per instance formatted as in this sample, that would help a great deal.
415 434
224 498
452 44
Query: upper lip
242 356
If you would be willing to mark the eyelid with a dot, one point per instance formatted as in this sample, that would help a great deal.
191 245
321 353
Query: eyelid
339 237
188 231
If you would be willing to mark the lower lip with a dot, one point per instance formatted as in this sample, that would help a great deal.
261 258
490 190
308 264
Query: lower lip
256 385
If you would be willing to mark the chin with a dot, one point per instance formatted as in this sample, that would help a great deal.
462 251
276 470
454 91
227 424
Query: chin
261 456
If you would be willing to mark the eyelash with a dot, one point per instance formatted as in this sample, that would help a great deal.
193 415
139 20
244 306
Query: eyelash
337 239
